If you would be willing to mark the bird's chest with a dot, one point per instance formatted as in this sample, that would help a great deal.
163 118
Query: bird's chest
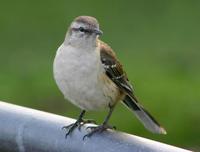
79 68
77 75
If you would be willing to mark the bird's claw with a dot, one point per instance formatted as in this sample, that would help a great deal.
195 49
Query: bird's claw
78 124
70 128
95 129
66 127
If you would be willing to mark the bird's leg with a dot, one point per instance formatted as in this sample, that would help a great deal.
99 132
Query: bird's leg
103 126
71 127
79 123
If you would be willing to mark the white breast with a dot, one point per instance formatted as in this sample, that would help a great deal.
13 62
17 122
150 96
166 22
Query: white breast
78 74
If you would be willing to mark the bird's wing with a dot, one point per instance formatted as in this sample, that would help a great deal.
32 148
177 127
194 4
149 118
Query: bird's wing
115 72
114 69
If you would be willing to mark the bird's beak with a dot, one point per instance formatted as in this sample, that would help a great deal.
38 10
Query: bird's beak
98 32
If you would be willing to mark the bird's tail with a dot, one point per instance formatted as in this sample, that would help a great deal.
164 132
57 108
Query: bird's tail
143 115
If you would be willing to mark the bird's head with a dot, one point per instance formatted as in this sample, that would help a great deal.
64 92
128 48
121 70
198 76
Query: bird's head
84 30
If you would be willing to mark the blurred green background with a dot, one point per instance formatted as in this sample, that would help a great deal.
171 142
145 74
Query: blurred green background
158 43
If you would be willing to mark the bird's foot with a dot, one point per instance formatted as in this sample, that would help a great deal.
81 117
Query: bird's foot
98 129
70 128
78 124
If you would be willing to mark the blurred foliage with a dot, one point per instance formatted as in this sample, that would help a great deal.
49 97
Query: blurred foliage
157 41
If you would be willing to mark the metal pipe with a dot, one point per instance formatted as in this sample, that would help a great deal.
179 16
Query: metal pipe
28 130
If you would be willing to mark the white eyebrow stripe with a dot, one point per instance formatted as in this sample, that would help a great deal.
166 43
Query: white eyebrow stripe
77 25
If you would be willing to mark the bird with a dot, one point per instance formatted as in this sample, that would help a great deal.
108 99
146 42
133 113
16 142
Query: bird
90 76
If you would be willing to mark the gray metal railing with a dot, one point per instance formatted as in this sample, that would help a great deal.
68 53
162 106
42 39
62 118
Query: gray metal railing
28 130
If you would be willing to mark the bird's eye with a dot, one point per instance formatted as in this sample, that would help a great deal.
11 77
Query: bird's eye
81 29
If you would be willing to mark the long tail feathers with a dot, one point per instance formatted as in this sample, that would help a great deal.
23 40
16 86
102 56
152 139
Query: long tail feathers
147 120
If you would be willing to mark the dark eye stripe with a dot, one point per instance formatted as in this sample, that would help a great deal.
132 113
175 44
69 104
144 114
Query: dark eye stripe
75 29
82 30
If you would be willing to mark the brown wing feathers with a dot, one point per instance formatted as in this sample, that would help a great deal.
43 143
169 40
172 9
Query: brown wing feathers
116 73
114 69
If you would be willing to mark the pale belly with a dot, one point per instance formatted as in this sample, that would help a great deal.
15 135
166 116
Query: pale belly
81 80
